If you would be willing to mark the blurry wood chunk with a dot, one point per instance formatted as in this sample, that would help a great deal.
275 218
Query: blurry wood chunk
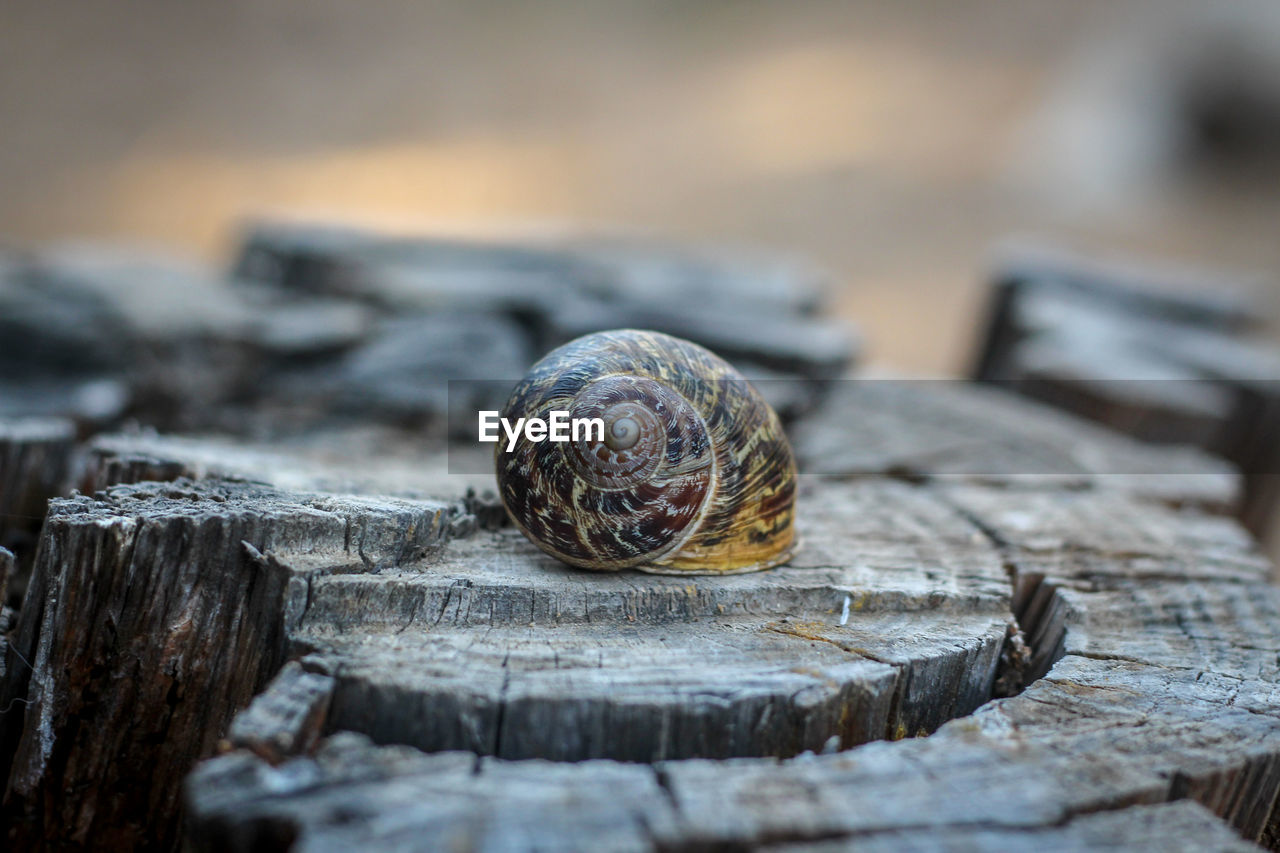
969 433
93 403
418 368
338 324
436 272
157 296
308 330
791 359
1196 297
36 463
91 331
294 257
1086 360
287 718
50 326
753 308
646 273
402 272
1164 356
815 349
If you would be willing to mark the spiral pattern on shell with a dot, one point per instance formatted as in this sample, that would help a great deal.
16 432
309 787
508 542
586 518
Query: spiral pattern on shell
693 473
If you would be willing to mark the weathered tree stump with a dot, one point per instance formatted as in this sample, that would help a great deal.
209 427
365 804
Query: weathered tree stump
395 672
151 615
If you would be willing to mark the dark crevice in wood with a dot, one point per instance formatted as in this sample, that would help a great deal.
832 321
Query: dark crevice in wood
894 730
1037 630
499 723
1042 613
663 779
7 562
1270 836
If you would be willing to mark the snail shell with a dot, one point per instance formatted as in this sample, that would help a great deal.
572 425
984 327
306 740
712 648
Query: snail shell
693 475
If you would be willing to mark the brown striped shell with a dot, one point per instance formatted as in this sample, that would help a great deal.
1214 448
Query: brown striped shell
694 474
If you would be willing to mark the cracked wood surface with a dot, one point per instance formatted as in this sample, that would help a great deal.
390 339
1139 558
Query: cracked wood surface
890 621
1166 691
438 663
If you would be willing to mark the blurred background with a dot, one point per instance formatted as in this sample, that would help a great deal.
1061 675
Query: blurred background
893 143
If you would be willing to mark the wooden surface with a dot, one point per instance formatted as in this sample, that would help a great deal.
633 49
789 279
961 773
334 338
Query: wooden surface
441 661
1166 690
